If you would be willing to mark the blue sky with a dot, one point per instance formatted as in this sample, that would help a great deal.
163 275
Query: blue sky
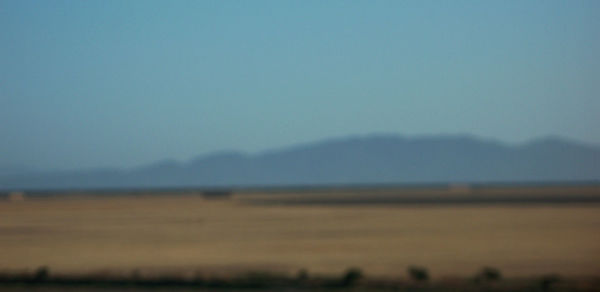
123 83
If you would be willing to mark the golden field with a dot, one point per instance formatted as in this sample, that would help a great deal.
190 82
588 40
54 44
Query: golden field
186 234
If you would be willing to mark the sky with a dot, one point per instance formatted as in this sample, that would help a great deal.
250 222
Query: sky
88 84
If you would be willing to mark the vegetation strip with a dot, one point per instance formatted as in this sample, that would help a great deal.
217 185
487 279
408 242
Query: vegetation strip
488 279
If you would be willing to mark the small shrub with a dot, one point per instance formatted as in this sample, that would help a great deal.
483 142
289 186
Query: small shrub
302 275
260 279
488 274
136 276
41 274
418 274
352 276
547 281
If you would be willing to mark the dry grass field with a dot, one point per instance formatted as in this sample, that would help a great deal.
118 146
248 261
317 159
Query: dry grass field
187 235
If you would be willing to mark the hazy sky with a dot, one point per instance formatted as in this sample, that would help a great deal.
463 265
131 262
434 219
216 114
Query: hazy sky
123 83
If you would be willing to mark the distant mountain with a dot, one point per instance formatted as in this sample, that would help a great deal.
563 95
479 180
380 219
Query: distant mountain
6 169
374 159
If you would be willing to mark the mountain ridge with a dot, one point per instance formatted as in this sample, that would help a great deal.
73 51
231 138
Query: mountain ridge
366 159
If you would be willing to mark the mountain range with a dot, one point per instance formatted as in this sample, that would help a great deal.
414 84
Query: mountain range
372 159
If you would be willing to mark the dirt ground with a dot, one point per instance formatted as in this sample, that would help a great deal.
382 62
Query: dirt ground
190 235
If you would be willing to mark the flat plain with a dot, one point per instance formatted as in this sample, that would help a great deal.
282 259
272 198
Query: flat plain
191 235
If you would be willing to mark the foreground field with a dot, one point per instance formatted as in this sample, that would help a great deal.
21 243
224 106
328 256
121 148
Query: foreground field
189 235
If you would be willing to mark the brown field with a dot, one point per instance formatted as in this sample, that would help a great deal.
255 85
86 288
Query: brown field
189 235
